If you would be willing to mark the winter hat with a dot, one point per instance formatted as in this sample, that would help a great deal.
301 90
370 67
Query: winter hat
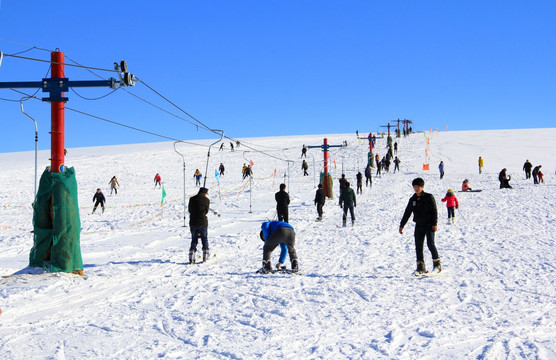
203 190
450 192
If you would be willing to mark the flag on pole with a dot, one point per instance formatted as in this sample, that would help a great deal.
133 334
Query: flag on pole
217 176
252 163
163 195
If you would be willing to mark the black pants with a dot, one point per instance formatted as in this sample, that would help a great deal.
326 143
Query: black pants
284 235
196 232
346 208
282 214
319 209
420 233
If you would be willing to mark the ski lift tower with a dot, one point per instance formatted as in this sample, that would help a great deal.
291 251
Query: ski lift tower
370 157
326 179
56 223
389 139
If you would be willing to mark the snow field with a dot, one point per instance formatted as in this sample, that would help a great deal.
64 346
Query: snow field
356 297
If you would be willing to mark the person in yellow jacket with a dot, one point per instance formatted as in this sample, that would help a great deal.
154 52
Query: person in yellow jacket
481 164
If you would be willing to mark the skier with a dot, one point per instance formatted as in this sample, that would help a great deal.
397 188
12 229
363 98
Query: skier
359 178
396 148
378 165
504 179
113 185
536 171
425 216
368 175
221 169
274 233
99 199
527 168
282 201
348 201
451 202
221 147
481 164
248 172
231 146
157 180
397 164
198 223
304 151
465 186
197 175
342 181
304 167
320 199
441 169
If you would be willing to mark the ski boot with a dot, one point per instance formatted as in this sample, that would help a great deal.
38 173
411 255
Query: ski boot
280 266
103 210
437 267
344 224
205 255
295 265
421 270
267 267
352 223
191 257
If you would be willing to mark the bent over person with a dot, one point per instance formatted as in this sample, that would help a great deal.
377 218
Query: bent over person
274 233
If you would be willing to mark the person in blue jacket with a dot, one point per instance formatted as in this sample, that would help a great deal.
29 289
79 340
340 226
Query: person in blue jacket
441 169
275 233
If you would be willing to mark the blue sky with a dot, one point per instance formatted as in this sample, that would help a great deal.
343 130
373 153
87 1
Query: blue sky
264 68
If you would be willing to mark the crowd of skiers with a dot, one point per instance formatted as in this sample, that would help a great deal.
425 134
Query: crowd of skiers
279 232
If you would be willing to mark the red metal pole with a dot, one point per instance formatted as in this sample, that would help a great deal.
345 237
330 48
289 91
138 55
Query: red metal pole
57 117
371 142
325 156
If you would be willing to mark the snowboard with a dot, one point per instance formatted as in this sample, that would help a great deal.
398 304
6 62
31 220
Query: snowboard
277 271
470 191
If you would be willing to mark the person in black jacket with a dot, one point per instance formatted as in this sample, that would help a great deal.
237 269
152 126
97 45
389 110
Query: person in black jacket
527 168
425 216
198 223
282 202
100 199
504 179
320 199
536 171
368 175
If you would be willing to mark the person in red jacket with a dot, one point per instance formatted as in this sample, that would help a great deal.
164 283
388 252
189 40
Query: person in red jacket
157 180
465 186
451 202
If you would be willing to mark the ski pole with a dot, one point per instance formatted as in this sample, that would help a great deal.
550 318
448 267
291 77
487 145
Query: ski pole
214 212
464 219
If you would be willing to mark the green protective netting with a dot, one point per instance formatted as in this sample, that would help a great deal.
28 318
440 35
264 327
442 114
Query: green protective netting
56 223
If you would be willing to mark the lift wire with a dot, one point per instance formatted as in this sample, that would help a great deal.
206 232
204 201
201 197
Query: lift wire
97 98
57 63
22 44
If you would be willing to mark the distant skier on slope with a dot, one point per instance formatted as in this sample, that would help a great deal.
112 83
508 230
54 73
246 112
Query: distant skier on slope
348 201
536 172
368 175
99 199
527 168
451 204
114 184
157 180
504 179
320 199
197 175
425 216
275 233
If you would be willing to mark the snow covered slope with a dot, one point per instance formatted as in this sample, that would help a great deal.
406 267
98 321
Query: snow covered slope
355 299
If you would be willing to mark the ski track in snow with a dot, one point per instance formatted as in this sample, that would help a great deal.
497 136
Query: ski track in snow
355 297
